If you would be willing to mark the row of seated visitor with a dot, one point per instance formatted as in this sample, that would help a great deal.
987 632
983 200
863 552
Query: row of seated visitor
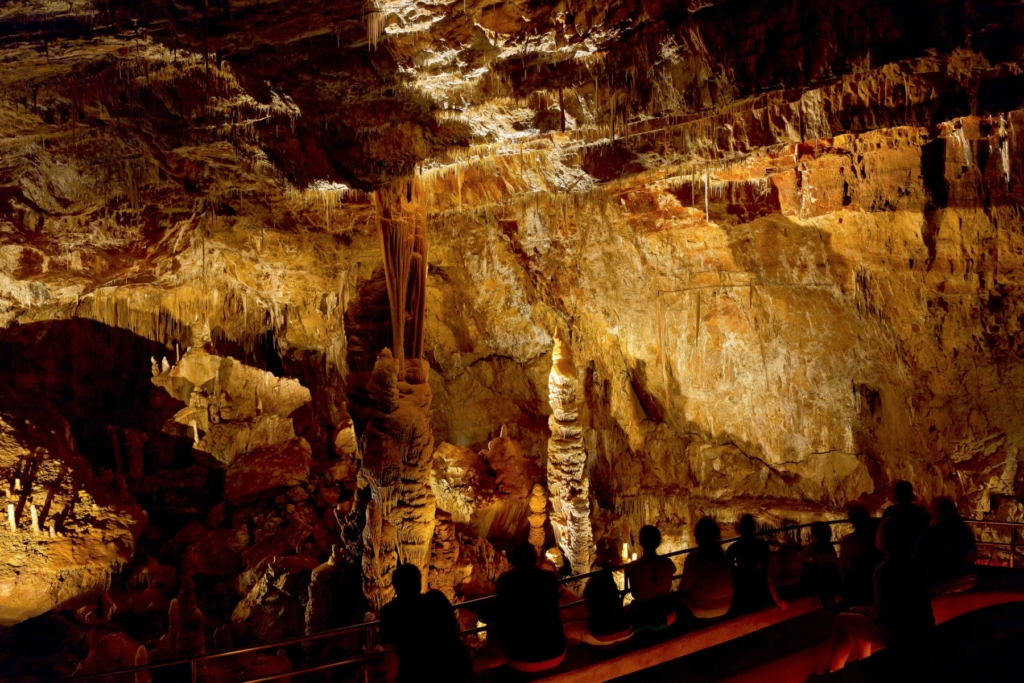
885 573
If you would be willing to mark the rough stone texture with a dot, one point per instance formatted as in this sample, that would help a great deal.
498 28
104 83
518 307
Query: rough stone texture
785 238
95 521
568 480
267 472
397 464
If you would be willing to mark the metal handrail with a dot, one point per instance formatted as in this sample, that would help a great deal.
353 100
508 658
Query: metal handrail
193 662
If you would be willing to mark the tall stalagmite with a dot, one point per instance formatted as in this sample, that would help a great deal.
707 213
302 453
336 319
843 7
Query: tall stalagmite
568 483
399 443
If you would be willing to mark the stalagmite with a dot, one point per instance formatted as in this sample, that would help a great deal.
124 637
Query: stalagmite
380 557
35 518
165 366
155 366
538 517
398 458
568 483
319 607
10 517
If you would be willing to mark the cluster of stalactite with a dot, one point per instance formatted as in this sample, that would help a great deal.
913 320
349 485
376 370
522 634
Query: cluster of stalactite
568 484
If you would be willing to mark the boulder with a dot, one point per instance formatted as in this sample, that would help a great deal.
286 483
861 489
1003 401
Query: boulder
267 472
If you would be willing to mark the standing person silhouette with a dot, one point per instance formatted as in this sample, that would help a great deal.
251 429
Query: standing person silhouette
902 610
527 621
420 634
858 557
916 517
650 582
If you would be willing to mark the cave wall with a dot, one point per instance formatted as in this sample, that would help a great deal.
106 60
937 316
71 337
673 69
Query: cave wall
784 244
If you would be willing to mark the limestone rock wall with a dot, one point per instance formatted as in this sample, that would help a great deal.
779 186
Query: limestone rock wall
786 239
65 532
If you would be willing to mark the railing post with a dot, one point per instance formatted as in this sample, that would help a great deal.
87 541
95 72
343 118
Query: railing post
369 644
1013 543
194 678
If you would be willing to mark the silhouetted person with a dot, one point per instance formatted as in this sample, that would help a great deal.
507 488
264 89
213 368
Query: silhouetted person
706 585
916 516
786 573
650 582
750 556
858 557
902 610
420 634
526 614
607 621
822 563
947 550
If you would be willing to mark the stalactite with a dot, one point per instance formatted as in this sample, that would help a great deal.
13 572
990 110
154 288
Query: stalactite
568 483
1004 147
401 212
375 20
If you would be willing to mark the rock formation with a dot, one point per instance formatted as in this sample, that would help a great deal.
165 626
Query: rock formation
568 480
785 242
538 518
95 522
380 556
245 416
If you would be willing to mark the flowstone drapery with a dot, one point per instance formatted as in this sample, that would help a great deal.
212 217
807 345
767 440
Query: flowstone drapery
568 484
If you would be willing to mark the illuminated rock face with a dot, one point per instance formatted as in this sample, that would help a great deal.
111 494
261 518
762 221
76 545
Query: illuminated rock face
568 482
396 467
787 244
95 523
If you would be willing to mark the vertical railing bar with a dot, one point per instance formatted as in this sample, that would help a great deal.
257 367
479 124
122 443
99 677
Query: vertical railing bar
194 667
369 644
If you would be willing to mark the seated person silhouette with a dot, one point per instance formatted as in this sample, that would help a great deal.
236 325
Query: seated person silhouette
902 610
904 507
749 556
858 557
786 579
607 620
706 585
526 617
821 570
649 579
420 634
947 550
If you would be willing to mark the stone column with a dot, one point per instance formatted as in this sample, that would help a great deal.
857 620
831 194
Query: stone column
568 483
396 466
538 518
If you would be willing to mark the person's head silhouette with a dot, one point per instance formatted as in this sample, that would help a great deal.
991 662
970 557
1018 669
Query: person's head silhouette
407 580
821 532
650 539
747 526
524 557
903 492
707 532
944 510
